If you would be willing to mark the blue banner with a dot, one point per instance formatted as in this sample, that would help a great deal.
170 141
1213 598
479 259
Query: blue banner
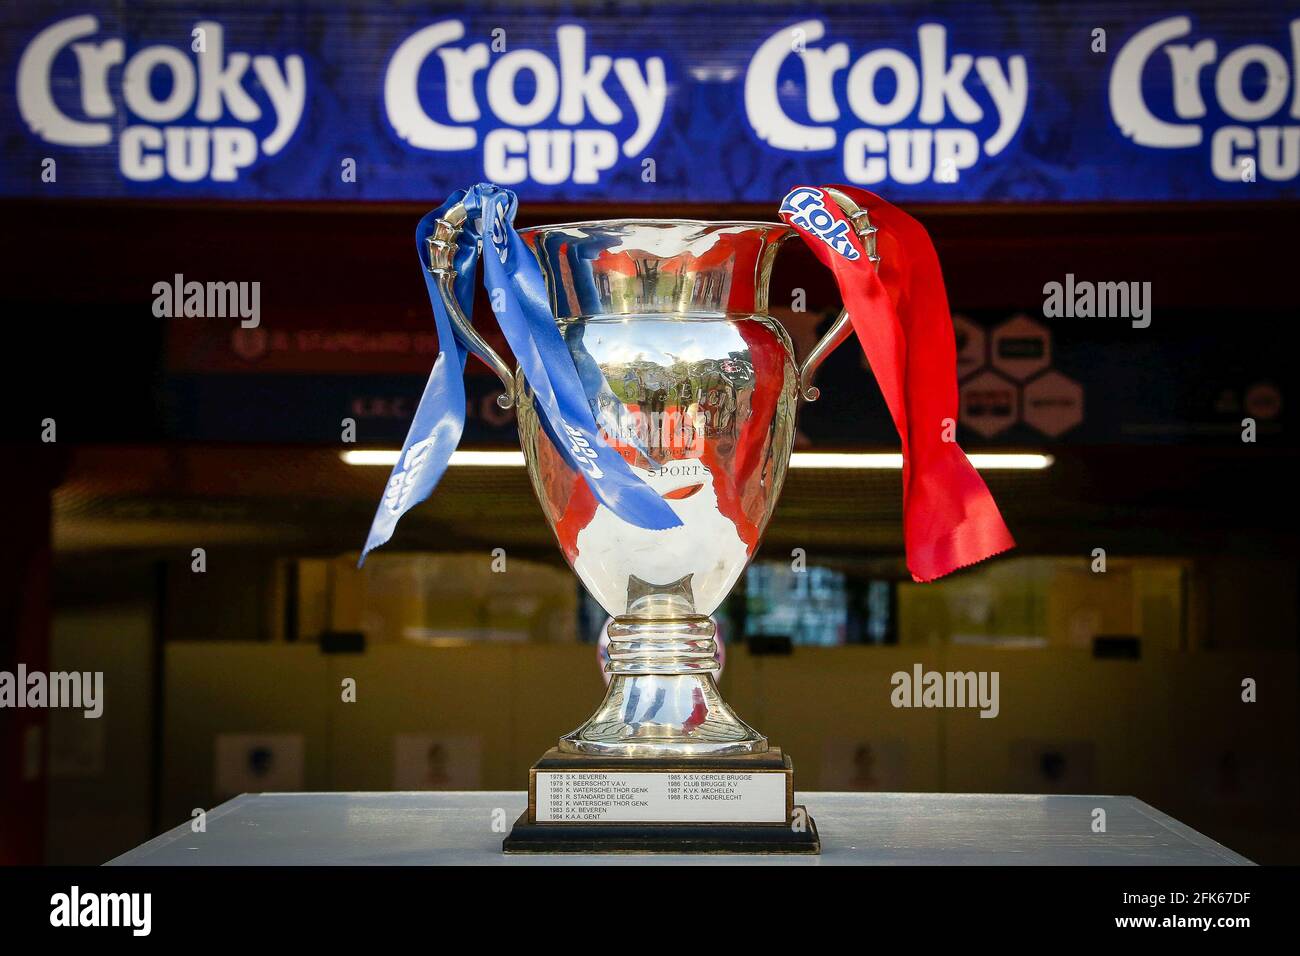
647 104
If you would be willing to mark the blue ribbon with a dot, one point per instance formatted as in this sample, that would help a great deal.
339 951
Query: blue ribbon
520 300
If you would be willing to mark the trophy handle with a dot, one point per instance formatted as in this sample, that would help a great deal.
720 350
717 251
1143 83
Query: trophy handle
842 328
442 264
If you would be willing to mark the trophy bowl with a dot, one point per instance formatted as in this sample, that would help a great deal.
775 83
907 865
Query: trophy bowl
696 387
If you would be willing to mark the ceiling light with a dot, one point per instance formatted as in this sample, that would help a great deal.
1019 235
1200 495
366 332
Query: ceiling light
984 461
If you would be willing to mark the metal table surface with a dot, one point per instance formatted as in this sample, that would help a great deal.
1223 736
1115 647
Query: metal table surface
466 827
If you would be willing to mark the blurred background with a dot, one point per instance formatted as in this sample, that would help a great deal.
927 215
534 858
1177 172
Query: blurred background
191 526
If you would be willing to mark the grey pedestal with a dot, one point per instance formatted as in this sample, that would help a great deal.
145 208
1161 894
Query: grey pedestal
943 829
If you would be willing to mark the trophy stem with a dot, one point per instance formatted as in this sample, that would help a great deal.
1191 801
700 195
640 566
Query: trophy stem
663 698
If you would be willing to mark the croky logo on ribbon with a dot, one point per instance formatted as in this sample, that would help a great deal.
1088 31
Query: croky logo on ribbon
397 494
497 232
805 209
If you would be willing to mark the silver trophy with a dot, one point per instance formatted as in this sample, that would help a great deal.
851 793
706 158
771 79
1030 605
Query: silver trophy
697 387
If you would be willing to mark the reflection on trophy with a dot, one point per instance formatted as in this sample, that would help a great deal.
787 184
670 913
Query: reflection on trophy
696 387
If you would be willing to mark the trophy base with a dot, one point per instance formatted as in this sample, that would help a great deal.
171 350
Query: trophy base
528 837
585 803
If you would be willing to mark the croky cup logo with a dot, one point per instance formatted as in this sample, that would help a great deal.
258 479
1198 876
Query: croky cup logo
1245 99
583 454
934 113
397 496
549 118
805 209
200 128
497 232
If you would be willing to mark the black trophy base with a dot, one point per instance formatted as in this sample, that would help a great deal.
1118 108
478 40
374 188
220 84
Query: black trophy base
797 835
528 837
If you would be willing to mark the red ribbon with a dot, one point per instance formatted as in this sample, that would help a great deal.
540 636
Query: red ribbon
899 311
